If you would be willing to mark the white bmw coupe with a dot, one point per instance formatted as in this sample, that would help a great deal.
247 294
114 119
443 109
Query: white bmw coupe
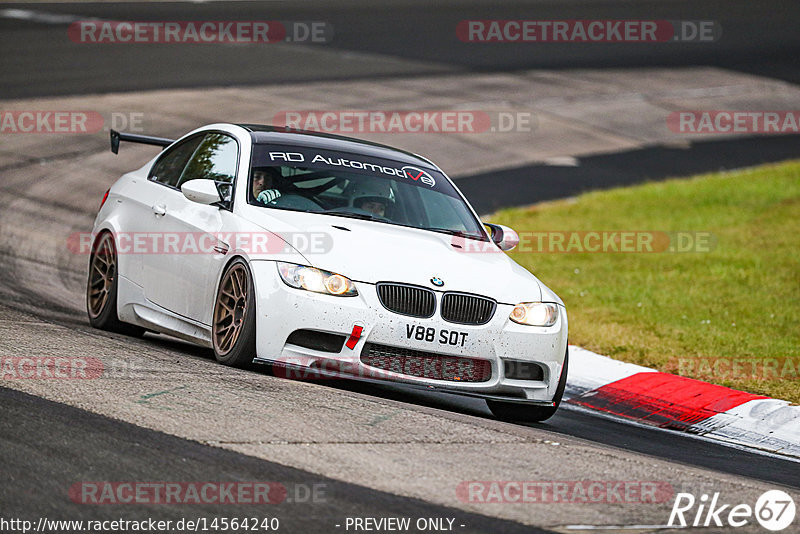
324 256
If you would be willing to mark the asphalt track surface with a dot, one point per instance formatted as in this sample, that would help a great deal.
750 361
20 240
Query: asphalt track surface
47 446
101 448
90 447
418 35
502 188
611 431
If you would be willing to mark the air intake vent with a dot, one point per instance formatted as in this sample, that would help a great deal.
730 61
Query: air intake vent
407 300
518 370
426 365
463 308
316 340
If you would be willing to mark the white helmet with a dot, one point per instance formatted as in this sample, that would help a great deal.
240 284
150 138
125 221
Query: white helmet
373 190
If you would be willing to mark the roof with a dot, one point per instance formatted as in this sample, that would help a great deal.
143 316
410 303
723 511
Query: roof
265 134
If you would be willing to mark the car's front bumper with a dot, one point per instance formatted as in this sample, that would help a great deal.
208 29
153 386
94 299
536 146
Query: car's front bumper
281 310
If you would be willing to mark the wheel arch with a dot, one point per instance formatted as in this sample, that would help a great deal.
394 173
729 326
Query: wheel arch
252 313
225 267
111 226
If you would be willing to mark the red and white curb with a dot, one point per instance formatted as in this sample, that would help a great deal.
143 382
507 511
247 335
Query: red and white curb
674 402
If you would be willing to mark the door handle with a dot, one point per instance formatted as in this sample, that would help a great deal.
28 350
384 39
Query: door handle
159 210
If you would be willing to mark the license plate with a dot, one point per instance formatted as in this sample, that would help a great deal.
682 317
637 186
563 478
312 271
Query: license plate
437 336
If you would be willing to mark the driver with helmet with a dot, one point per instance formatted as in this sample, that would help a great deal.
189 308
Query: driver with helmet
265 181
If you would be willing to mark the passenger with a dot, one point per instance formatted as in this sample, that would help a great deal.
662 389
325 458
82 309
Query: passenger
373 197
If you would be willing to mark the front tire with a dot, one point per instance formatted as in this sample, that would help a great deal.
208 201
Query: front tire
101 289
525 413
233 329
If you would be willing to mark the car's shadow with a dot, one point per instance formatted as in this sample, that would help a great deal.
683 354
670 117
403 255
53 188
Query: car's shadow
395 392
568 422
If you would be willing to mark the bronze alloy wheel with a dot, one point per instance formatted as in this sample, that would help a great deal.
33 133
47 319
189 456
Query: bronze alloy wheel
231 309
102 272
101 289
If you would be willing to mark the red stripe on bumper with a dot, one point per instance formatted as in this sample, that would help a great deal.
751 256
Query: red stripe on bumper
664 400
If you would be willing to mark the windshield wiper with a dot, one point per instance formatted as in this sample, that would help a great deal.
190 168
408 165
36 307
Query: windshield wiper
353 215
459 233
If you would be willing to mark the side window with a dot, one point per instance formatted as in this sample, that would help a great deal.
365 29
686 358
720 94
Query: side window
168 169
216 159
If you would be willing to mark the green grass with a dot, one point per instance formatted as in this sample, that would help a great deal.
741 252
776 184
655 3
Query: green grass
740 301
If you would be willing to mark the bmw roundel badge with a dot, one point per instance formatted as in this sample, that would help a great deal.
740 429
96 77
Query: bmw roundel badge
438 282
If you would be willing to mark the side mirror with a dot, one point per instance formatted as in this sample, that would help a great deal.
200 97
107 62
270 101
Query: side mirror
503 236
201 191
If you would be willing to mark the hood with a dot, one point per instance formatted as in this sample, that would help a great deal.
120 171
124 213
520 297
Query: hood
367 251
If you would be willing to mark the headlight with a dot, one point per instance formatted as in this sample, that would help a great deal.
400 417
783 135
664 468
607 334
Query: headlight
535 313
316 280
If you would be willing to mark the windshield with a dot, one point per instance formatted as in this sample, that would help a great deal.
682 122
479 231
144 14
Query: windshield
355 186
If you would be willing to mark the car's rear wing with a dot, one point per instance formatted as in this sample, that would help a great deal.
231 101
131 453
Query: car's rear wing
116 137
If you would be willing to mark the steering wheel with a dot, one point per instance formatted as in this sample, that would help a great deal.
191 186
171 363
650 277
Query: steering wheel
312 192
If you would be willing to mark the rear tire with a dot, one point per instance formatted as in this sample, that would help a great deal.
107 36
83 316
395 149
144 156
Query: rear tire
233 328
525 413
101 289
